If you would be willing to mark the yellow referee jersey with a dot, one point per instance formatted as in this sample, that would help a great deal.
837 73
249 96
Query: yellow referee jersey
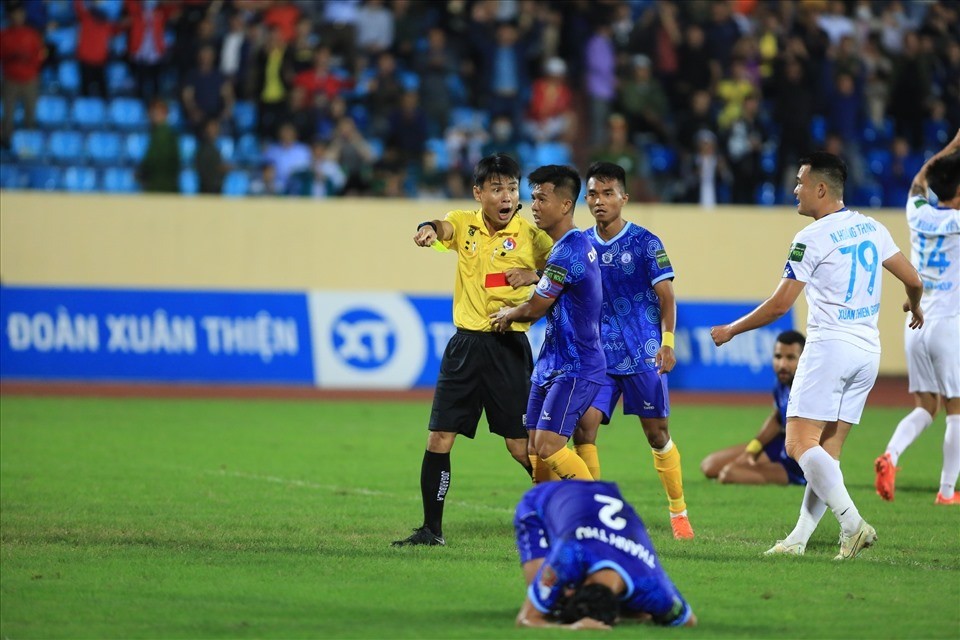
481 287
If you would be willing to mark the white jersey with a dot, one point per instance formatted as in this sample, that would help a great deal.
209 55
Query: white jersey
839 257
935 252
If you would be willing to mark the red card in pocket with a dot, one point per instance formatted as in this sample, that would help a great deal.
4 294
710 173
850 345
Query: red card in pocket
496 280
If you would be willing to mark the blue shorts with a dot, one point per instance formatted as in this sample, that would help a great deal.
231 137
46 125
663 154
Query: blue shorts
776 450
558 406
532 542
644 394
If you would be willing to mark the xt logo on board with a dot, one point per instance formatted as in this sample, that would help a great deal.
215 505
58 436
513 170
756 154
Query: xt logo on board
366 340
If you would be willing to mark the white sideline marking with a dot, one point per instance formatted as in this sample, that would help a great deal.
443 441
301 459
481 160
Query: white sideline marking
358 491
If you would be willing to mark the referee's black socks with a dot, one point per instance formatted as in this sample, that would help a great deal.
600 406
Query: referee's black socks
434 483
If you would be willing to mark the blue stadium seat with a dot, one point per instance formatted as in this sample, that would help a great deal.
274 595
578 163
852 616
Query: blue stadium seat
89 113
247 151
878 161
118 45
44 177
112 8
226 147
552 153
135 146
409 80
376 145
768 161
119 180
128 114
119 80
65 146
876 135
28 144
188 149
80 179
766 194
438 147
870 195
236 184
663 159
17 114
65 40
464 118
244 116
174 114
189 182
818 129
68 76
52 111
104 147
61 12
10 176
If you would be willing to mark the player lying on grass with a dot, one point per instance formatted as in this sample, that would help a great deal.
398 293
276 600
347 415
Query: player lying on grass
588 561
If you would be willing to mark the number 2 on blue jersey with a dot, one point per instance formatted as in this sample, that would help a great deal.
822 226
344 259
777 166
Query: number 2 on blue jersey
859 253
608 512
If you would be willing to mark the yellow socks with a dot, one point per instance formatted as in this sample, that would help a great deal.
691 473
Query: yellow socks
541 470
568 465
588 453
667 463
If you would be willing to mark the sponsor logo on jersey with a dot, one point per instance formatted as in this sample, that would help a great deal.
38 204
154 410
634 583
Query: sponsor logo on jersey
509 244
607 258
920 202
797 250
663 261
788 272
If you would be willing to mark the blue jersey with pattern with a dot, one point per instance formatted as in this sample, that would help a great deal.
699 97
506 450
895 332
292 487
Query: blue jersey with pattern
776 449
631 263
571 346
588 526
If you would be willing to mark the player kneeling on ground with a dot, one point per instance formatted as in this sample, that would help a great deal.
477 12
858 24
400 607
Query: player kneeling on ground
588 561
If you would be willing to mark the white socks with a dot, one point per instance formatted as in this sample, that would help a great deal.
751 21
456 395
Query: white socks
951 457
909 429
812 509
824 475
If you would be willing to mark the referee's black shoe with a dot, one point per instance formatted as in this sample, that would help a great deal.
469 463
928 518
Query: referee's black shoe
421 536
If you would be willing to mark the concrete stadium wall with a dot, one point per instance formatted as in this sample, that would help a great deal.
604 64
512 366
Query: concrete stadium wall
205 242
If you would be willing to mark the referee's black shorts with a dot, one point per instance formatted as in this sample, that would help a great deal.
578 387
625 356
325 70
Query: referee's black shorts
483 371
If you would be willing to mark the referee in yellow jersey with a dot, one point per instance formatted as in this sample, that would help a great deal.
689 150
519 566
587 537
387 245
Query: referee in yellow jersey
498 256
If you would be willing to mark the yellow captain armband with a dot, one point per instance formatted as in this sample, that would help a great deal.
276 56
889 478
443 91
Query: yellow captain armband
754 447
667 339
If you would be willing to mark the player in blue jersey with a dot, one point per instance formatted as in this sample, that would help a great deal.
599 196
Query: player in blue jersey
570 368
764 459
637 323
587 560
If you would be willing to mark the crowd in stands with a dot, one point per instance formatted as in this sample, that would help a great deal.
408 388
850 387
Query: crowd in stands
702 101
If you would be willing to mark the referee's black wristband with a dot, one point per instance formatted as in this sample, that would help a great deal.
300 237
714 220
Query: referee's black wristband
428 224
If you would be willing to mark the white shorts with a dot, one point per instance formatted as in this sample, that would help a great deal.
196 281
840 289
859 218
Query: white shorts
933 356
833 381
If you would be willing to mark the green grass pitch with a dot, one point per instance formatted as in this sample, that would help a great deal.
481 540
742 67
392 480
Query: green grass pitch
133 518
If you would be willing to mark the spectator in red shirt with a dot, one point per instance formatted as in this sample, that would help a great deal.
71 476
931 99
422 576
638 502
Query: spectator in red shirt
550 115
21 54
283 15
320 79
93 46
147 48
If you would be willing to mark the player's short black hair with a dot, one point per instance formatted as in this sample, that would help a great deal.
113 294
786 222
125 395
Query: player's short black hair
792 337
561 177
943 176
498 164
605 171
589 601
831 169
